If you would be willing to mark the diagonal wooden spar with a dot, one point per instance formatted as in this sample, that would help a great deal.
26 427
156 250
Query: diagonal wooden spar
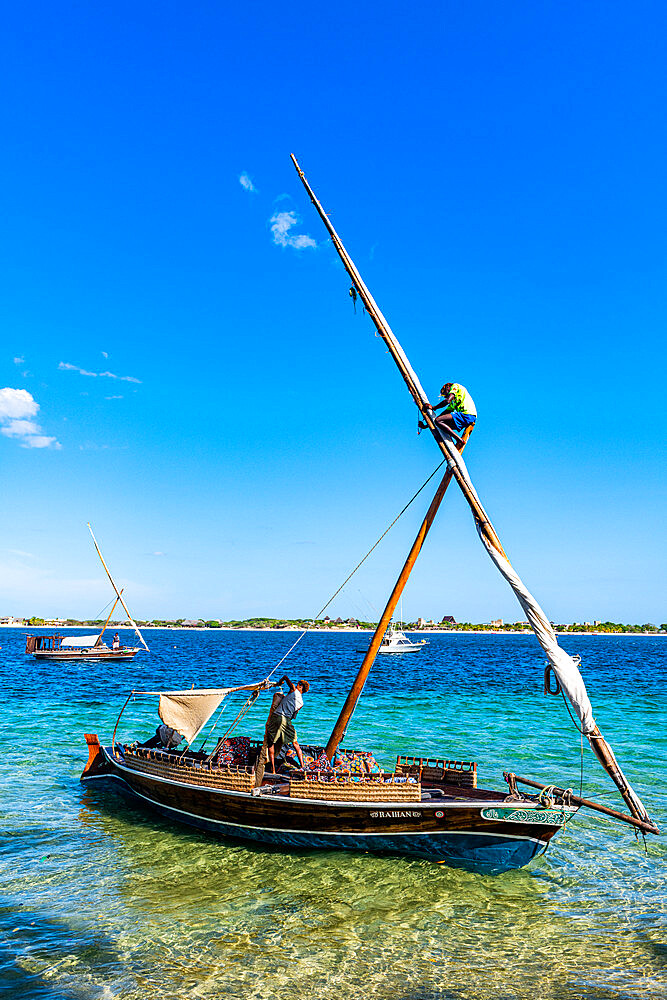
99 638
358 685
564 667
118 592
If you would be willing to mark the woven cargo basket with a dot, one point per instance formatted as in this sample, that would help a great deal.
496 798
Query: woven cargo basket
184 769
380 788
438 770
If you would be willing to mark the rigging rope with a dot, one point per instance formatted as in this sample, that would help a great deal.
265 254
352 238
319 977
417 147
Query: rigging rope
358 566
100 613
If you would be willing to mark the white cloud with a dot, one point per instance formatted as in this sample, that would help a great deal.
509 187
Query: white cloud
246 183
19 361
41 441
65 366
16 406
114 397
158 553
104 354
20 428
281 224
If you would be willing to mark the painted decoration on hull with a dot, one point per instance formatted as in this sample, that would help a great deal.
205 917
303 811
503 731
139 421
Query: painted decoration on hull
551 816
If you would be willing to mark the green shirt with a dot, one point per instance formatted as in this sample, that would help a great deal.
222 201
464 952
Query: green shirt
463 401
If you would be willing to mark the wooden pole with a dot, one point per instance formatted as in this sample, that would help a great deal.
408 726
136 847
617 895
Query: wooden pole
367 663
111 580
99 638
589 804
409 376
598 743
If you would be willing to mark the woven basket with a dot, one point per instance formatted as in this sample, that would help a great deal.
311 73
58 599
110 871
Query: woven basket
183 769
439 771
382 788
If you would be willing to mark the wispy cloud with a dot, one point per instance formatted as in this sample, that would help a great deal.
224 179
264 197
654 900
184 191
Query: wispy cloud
281 224
246 183
105 354
158 553
17 407
65 366
19 361
114 397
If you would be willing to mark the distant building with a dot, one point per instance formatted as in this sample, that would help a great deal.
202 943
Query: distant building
448 620
497 623
191 623
11 621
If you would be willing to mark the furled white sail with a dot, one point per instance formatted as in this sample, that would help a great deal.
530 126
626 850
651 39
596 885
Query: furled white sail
564 666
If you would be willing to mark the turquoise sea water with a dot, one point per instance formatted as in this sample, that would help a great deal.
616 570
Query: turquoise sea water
99 899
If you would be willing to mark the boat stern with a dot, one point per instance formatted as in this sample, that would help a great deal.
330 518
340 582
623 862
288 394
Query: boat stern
97 762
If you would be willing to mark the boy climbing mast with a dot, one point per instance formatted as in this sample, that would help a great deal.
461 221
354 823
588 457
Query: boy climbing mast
459 409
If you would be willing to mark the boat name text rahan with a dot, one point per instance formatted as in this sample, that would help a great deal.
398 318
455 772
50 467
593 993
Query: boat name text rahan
396 814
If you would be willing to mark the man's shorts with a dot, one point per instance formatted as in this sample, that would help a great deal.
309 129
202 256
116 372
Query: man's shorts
280 730
462 420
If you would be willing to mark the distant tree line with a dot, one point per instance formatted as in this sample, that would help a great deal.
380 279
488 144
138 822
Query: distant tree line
305 623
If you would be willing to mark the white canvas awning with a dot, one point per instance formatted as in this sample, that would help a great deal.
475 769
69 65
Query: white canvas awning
79 641
188 711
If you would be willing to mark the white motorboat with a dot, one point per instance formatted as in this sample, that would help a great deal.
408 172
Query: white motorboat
395 641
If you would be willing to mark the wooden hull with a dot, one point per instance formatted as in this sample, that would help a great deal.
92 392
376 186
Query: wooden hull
485 834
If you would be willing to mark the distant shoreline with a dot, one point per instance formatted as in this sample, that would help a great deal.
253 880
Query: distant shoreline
342 631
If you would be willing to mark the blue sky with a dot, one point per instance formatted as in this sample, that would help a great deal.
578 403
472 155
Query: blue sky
184 366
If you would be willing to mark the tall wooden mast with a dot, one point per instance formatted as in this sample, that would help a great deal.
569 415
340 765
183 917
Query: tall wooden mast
566 671
119 593
383 624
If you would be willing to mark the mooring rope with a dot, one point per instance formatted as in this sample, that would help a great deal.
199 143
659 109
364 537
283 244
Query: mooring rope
358 566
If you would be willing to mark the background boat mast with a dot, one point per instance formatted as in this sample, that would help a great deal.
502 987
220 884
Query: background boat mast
118 592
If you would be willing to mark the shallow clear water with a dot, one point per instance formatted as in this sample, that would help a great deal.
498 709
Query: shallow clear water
98 899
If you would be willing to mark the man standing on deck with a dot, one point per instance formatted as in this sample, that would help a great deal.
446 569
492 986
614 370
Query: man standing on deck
280 728
459 409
